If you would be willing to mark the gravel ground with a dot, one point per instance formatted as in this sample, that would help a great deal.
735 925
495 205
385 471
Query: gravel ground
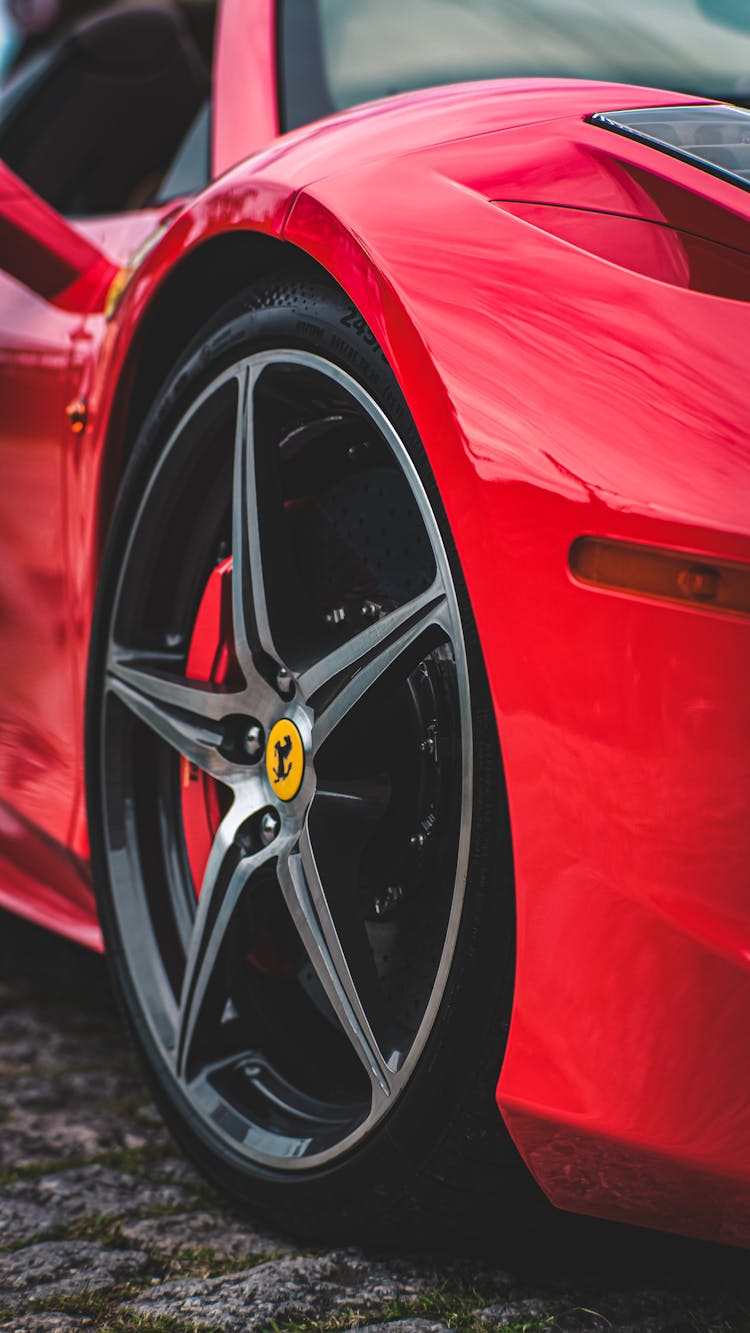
103 1225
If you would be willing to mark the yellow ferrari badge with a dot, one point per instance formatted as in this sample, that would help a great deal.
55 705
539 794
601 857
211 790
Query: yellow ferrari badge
285 759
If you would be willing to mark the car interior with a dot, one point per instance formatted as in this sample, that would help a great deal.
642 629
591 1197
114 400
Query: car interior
116 115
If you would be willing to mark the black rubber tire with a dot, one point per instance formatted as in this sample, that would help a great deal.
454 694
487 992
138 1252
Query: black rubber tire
441 1163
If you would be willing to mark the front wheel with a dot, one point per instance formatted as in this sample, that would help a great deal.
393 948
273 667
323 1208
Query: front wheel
294 787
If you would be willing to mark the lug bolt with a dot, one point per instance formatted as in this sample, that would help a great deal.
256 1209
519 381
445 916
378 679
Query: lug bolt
370 610
418 839
269 827
336 616
252 741
390 898
429 744
284 682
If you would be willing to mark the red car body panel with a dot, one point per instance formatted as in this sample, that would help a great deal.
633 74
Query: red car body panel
569 375
246 96
51 256
47 360
624 724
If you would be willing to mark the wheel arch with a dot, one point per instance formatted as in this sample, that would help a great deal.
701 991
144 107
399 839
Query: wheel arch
194 289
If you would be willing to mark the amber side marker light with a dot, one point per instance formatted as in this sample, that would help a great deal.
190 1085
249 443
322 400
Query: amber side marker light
671 576
77 413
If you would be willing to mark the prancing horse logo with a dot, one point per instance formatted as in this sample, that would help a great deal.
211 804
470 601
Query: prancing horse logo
285 759
282 749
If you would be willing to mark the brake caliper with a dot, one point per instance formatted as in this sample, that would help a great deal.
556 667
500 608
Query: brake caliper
211 657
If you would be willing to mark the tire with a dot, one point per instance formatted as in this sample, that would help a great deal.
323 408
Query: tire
301 853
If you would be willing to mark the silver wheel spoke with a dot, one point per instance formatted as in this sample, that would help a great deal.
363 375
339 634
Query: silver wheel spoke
186 714
306 900
226 877
289 1040
249 607
353 668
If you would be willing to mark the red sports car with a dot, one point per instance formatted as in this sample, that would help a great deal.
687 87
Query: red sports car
378 492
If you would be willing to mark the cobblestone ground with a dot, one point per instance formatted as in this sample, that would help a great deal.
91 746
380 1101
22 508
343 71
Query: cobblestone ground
103 1225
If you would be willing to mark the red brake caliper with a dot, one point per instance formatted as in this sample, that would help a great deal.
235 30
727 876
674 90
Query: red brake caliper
211 657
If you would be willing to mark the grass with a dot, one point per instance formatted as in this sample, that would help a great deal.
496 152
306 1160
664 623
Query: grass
133 1160
105 1308
454 1309
203 1262
142 1162
101 1229
130 1106
453 1304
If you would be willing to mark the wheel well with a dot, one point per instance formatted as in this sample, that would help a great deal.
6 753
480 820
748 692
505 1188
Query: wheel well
198 287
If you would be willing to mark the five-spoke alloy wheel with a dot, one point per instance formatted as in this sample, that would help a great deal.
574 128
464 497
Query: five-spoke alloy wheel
283 759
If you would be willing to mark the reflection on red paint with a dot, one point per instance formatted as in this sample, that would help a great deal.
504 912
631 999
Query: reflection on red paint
584 378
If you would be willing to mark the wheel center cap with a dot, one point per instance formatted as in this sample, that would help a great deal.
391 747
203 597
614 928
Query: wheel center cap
285 759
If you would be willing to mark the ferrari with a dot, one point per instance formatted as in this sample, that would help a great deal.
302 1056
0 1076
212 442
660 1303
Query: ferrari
375 590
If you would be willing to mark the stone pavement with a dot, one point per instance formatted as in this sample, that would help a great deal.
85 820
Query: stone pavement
103 1225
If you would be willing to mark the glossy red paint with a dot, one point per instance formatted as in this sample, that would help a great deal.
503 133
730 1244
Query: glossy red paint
49 884
39 751
246 100
46 253
608 402
665 253
569 376
47 359
619 720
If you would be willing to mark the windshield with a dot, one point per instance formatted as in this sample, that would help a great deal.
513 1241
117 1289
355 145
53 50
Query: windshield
371 48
